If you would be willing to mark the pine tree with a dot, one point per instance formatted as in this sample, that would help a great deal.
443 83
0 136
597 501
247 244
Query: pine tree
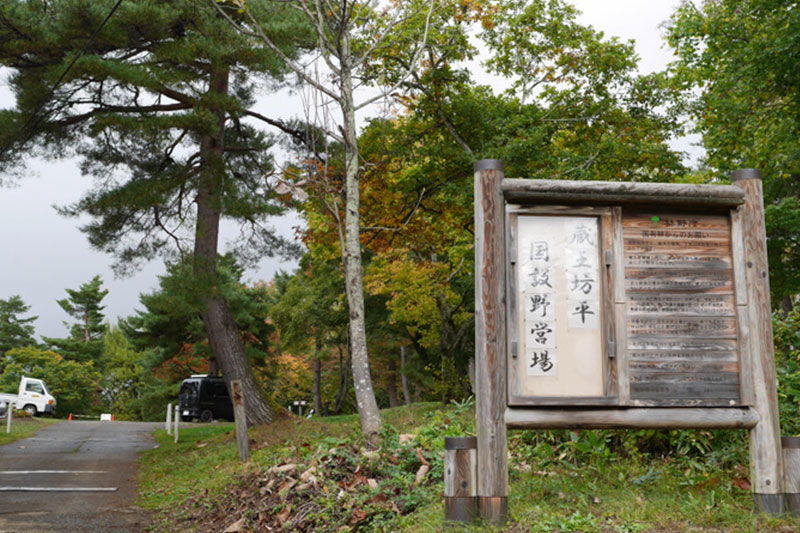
15 331
158 106
85 341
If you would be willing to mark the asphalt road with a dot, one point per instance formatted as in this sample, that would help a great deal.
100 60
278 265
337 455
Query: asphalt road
91 459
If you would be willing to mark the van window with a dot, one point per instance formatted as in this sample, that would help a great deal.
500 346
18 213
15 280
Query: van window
32 386
220 390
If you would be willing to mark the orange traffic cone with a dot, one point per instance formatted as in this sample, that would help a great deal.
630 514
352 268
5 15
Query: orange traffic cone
70 417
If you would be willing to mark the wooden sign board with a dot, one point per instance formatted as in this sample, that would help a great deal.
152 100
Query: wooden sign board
667 278
621 305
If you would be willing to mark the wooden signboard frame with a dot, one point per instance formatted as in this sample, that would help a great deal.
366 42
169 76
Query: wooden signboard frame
684 339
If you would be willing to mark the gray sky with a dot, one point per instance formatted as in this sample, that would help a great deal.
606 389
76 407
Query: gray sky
43 254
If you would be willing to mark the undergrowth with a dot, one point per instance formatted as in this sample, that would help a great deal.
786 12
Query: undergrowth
315 475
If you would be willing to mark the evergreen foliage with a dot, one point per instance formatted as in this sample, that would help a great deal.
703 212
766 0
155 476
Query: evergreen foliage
159 108
15 331
85 341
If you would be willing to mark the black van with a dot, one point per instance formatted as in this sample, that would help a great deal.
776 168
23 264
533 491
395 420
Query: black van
206 398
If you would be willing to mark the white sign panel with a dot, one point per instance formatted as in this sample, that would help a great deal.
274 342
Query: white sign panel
560 286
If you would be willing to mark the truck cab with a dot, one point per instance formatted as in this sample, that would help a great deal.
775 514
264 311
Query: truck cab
32 397
204 397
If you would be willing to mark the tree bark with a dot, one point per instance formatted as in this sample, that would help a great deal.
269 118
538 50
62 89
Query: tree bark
391 384
404 377
317 378
362 382
223 334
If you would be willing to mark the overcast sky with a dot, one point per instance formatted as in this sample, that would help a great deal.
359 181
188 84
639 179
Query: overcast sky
43 254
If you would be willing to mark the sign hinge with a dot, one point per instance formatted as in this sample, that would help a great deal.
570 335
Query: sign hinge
608 258
612 349
513 349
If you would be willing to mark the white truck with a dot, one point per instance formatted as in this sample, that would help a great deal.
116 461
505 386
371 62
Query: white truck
33 397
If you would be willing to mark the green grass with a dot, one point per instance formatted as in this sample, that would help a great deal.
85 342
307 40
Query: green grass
22 427
568 481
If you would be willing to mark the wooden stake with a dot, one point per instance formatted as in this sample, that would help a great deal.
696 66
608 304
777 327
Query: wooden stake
460 478
8 417
766 458
490 341
168 424
239 415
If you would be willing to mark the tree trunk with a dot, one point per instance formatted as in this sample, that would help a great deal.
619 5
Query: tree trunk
344 382
391 384
223 335
362 382
317 379
786 306
403 377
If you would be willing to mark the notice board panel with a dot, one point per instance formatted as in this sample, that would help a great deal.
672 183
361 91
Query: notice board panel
680 310
559 308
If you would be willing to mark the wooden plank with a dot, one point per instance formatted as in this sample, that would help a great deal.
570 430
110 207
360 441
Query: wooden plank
515 359
490 341
618 257
678 326
571 192
670 364
621 334
557 210
645 418
766 459
745 356
560 401
678 392
607 254
649 304
681 280
686 345
677 223
737 254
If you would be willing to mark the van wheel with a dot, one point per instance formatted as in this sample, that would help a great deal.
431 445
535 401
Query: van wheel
206 416
30 409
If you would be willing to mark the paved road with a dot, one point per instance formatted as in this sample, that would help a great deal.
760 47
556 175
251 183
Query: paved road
94 456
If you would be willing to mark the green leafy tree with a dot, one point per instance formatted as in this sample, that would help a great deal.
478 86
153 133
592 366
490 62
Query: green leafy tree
15 331
122 374
737 63
158 105
84 305
73 384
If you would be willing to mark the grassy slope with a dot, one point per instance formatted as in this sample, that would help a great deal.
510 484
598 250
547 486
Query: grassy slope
199 485
22 427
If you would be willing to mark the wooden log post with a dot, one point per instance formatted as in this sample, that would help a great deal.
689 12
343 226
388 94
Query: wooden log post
490 342
791 473
460 479
766 458
8 416
168 423
240 418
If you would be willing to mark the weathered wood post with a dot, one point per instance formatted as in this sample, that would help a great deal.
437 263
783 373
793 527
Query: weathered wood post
168 424
8 417
490 341
766 458
240 417
791 473
460 479
177 415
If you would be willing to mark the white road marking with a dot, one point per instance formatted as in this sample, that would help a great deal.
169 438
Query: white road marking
26 472
58 489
